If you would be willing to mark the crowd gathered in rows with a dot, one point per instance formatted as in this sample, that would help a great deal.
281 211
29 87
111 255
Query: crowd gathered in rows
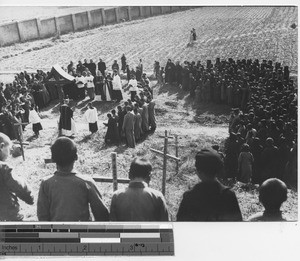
261 148
262 139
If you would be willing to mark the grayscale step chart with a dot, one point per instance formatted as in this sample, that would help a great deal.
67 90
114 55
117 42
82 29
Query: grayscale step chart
93 240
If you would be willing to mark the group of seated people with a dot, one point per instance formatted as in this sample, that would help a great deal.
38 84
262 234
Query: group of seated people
69 196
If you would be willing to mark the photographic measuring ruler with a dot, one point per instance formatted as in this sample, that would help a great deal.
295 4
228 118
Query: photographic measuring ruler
93 239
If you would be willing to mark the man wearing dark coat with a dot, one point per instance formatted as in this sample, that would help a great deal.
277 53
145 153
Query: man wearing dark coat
102 67
92 68
65 120
115 66
209 200
86 64
270 159
170 71
128 127
80 67
123 62
112 134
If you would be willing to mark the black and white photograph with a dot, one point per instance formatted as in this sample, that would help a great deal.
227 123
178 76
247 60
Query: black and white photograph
149 113
201 117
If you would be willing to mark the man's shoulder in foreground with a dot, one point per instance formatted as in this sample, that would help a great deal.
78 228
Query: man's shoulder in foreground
70 175
139 185
267 216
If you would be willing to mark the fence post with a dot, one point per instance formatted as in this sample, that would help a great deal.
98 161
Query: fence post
74 22
21 38
176 153
89 18
39 27
165 163
117 14
103 16
57 25
151 11
141 12
129 12
114 170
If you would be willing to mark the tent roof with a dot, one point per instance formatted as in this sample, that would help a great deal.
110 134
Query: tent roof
57 68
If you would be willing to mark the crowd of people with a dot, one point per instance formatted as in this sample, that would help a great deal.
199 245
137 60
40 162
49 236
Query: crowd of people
261 148
262 139
26 92
132 121
19 98
71 196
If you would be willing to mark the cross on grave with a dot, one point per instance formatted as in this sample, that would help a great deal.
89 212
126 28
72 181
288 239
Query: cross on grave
114 179
20 136
166 157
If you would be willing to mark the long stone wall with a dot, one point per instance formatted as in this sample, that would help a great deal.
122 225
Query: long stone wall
33 29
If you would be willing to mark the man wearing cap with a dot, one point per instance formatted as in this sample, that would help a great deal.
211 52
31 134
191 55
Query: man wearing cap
209 200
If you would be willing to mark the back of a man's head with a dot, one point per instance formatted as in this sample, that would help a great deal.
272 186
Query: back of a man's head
272 193
64 152
209 163
5 139
140 168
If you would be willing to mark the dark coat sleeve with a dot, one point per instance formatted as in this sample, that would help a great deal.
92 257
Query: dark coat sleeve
231 210
163 210
18 186
43 204
99 210
183 213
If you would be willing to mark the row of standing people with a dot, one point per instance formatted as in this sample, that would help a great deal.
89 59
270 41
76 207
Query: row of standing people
73 195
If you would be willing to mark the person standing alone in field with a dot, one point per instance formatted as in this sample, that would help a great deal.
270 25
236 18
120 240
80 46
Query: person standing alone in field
11 187
209 200
138 202
67 196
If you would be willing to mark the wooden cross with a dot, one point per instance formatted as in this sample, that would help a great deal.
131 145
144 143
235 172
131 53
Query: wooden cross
20 136
166 157
114 179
